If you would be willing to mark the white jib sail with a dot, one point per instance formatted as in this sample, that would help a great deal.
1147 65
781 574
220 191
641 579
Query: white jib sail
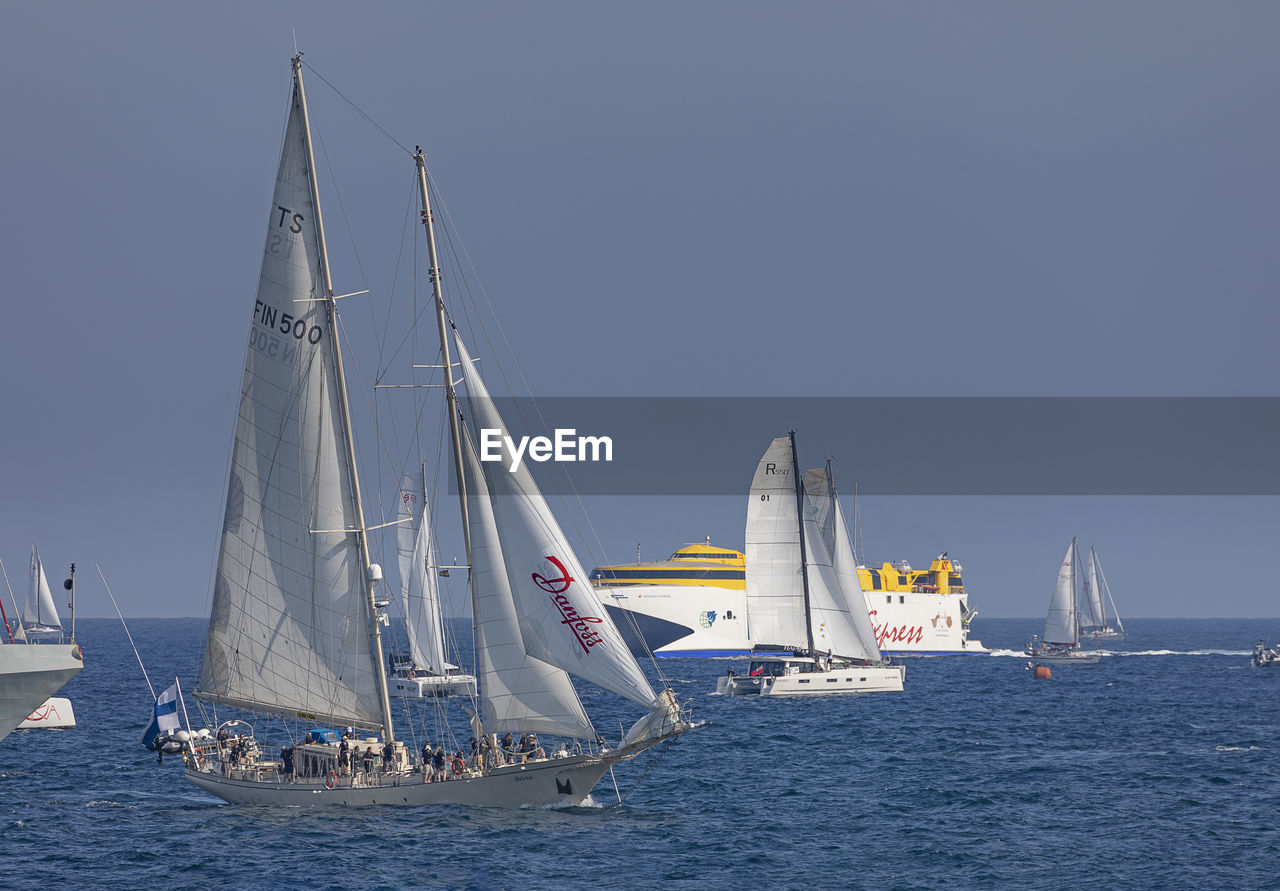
1106 589
562 619
1060 623
289 626
829 614
39 612
829 519
1097 612
775 585
419 585
518 693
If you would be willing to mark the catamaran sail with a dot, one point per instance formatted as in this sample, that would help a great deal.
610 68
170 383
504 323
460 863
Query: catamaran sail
39 614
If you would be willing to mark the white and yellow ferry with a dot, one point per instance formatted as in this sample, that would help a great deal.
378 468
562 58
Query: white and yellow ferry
695 604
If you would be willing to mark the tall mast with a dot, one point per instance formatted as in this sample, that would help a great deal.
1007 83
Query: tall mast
442 323
331 317
804 560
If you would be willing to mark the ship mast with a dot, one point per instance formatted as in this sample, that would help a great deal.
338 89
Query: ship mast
804 560
442 323
331 317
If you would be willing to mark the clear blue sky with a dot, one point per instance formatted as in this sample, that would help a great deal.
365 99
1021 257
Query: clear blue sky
664 198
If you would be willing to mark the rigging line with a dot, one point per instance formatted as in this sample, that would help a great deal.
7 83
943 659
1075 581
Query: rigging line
654 763
360 111
406 227
126 630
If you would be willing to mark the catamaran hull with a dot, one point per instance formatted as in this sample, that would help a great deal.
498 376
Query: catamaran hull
854 680
30 674
432 685
563 781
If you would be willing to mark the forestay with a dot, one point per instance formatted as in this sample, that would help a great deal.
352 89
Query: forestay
289 628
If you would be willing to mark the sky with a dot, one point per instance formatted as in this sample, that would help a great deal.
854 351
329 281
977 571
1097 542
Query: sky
663 199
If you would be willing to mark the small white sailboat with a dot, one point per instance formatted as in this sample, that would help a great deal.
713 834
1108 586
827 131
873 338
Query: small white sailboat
40 613
295 624
803 592
1060 644
423 671
1097 596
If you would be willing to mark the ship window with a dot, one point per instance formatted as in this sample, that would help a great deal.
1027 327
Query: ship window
901 599
804 680
902 580
875 579
728 614
888 598
832 680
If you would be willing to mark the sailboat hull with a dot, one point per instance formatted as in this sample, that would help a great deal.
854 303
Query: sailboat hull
1072 659
432 685
840 680
562 781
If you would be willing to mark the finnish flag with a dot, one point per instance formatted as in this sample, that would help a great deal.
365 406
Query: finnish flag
164 719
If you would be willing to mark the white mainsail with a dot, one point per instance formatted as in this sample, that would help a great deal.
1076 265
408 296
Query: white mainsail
1060 625
562 620
289 626
775 581
419 586
518 692
39 612
829 521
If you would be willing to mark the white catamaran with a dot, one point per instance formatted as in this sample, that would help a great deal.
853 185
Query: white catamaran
294 629
1061 642
1097 597
803 591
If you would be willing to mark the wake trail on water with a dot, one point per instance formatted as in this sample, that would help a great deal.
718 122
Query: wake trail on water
1019 654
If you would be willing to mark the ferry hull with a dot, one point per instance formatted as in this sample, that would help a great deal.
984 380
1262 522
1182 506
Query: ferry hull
714 623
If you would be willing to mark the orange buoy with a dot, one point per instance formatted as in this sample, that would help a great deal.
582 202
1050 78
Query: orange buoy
1042 671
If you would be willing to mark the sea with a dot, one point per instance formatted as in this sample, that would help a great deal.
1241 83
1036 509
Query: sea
1159 767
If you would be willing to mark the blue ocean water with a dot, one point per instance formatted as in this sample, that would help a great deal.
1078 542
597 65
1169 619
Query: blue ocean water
1157 767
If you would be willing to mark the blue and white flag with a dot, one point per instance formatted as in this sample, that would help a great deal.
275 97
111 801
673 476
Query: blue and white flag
165 718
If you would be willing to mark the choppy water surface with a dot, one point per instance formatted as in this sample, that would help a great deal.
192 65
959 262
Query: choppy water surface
1155 767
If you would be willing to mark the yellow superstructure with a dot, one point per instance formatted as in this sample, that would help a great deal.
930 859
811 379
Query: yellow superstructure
696 565
942 577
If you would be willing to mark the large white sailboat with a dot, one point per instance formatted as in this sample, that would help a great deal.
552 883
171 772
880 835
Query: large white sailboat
39 612
1097 597
802 589
1060 644
295 624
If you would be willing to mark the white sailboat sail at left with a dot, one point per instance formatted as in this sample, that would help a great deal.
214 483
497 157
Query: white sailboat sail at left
39 614
289 628
419 586
1061 622
562 620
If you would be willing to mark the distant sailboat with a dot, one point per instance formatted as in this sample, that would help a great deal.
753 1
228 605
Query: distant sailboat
39 613
802 589
424 670
1097 597
1061 642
